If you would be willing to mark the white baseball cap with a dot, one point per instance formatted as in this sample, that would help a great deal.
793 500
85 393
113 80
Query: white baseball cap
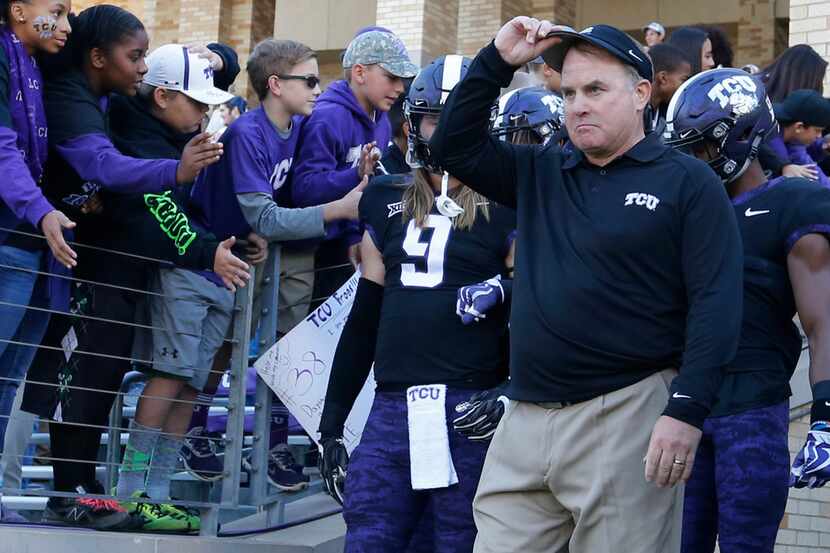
656 27
172 67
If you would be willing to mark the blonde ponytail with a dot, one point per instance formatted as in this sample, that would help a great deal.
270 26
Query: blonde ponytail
418 199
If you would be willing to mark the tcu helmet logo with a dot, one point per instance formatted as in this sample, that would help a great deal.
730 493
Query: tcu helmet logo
638 198
556 106
736 92
554 103
280 173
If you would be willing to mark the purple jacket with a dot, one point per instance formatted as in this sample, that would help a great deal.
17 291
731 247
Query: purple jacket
797 154
814 150
23 142
82 157
776 142
800 154
329 148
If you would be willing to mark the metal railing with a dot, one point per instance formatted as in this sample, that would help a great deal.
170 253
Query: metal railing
260 496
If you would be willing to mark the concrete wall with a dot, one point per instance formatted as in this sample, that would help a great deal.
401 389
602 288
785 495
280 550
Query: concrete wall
323 24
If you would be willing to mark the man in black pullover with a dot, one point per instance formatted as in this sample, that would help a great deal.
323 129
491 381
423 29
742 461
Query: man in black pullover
629 269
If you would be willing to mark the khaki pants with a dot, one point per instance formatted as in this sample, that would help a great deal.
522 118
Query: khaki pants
296 285
571 479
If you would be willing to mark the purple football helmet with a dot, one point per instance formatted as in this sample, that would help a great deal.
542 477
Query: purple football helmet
531 108
726 109
427 95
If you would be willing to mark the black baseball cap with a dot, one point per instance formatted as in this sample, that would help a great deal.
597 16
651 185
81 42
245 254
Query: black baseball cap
606 37
805 106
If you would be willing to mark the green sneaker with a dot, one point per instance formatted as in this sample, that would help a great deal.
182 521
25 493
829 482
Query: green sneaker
160 517
191 516
128 505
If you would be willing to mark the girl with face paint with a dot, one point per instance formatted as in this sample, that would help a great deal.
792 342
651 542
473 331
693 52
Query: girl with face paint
27 30
104 57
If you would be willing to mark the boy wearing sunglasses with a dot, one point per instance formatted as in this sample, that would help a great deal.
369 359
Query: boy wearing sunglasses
238 195
340 144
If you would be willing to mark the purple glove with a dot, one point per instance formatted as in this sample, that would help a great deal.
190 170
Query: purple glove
811 468
476 300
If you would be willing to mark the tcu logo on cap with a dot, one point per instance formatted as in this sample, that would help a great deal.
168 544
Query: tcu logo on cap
739 86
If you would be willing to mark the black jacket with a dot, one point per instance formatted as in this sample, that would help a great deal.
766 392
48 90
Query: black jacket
621 270
154 225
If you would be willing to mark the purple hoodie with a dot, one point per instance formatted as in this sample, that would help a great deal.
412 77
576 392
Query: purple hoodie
815 150
801 155
23 142
797 153
329 148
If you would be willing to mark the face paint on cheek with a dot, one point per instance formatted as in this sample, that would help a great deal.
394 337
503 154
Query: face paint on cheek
45 26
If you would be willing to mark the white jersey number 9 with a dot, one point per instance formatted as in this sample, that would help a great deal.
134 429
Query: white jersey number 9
433 252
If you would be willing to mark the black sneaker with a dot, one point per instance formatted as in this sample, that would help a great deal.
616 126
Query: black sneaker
199 456
98 514
283 470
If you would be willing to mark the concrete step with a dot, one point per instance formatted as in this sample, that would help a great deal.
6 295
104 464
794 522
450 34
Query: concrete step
322 536
318 536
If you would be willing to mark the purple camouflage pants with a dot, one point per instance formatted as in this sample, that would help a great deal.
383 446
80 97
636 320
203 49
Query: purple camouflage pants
738 489
382 511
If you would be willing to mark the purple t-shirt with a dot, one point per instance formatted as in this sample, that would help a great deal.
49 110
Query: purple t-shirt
256 159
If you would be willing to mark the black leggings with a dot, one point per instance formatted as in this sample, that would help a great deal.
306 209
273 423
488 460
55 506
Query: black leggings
104 374
330 253
73 443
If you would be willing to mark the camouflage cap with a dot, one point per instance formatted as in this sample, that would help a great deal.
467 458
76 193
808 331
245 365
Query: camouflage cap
381 48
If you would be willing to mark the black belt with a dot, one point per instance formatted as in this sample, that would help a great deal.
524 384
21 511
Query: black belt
563 404
555 404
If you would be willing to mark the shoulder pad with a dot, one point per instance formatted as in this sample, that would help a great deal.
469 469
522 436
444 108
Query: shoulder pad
390 181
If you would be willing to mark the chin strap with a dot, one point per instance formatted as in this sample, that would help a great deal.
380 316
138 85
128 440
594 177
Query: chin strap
446 206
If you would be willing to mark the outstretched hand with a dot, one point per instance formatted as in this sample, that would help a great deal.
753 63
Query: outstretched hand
369 156
257 249
198 153
215 60
232 270
52 226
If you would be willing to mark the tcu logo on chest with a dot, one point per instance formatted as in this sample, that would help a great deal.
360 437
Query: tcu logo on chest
638 198
280 173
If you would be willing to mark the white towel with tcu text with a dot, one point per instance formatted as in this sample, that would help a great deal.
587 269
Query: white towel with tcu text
430 460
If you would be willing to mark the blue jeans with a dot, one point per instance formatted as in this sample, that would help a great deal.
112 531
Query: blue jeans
17 324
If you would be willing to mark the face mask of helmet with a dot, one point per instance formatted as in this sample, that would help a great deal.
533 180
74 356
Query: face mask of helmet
426 97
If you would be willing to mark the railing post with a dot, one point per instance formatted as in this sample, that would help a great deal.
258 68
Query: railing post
236 397
114 441
268 336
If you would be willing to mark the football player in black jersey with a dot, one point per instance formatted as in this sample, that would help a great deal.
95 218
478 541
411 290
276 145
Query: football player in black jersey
530 115
427 235
738 489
